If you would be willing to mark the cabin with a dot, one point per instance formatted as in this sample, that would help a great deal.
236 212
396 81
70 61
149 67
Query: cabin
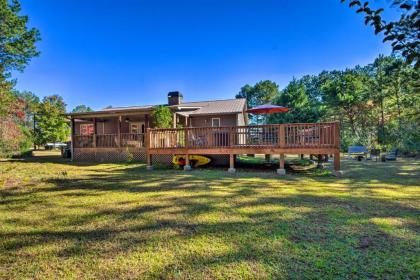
218 129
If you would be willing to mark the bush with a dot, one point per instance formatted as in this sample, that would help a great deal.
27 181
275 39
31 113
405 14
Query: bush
162 117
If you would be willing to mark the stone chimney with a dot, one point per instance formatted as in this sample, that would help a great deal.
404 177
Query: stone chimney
174 98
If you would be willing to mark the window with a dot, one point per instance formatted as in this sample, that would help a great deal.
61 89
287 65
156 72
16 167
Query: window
215 122
86 129
136 127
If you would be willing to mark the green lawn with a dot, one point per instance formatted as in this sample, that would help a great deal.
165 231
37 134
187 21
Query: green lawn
61 220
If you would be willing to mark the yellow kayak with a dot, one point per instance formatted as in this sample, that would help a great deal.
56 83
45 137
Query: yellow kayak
195 160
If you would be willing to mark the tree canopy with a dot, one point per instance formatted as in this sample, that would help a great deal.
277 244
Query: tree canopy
51 124
81 109
17 40
302 98
17 47
404 34
376 105
261 93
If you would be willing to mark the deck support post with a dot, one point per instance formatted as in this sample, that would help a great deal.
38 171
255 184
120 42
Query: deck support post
73 132
94 133
149 165
174 121
187 166
119 132
281 171
320 161
231 164
337 172
149 161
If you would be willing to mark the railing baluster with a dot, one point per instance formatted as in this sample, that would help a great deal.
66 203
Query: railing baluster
315 135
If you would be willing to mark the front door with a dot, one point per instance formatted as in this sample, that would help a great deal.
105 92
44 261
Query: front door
137 127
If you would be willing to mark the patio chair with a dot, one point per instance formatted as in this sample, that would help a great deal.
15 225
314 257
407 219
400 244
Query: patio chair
392 155
198 141
375 153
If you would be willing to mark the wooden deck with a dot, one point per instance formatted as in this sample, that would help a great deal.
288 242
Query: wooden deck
279 139
301 138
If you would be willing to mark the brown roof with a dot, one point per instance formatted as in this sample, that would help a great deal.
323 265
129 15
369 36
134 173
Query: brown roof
228 106
128 108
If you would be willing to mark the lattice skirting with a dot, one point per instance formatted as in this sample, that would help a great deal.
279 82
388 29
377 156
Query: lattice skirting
162 159
138 155
109 154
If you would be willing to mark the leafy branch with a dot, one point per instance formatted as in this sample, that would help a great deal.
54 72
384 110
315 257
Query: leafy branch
403 34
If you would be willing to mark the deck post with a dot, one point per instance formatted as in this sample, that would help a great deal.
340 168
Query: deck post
149 165
281 171
337 161
337 172
73 132
231 164
320 161
94 133
119 132
187 166
174 120
282 136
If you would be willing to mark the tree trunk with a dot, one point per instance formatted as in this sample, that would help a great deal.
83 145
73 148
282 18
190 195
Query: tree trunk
397 96
382 121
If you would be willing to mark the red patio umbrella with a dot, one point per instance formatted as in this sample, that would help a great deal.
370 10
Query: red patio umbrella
267 109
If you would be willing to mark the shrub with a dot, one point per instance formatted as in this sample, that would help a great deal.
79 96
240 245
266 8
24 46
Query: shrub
162 117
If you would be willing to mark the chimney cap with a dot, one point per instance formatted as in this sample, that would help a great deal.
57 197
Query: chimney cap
174 94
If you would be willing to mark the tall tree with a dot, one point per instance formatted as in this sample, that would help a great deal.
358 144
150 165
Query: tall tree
261 93
17 41
303 99
51 124
404 34
17 47
81 109
346 95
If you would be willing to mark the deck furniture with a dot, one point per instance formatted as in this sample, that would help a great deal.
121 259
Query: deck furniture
273 139
392 155
304 138
375 153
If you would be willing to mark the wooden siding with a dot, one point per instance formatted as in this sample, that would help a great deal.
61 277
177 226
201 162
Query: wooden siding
205 121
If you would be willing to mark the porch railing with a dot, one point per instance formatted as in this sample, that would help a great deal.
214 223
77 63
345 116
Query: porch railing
300 135
109 140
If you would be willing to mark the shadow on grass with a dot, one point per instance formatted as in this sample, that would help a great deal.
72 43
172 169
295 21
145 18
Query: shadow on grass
297 234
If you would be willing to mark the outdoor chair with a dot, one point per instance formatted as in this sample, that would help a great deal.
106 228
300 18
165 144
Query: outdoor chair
376 153
392 155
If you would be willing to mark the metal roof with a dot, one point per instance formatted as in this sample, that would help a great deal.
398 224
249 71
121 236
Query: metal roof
228 106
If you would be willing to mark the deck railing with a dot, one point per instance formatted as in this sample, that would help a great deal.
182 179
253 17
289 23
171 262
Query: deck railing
83 141
301 135
109 140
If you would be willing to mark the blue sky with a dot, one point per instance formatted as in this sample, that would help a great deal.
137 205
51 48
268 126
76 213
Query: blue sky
131 52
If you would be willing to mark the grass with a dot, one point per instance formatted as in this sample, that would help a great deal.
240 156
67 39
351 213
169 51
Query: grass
107 221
